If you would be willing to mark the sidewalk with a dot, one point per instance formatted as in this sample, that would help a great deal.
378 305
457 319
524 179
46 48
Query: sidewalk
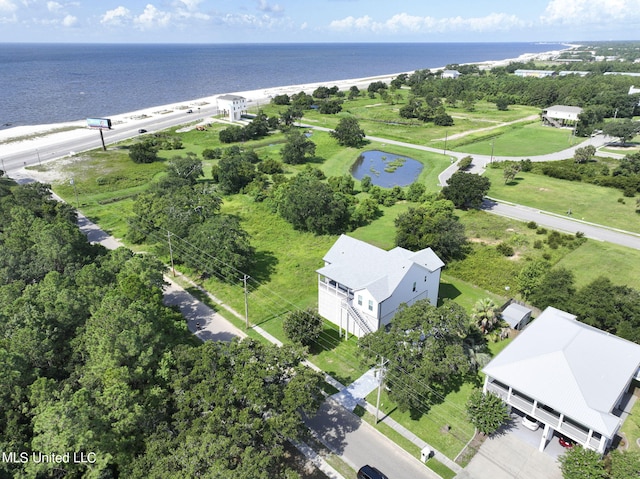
355 394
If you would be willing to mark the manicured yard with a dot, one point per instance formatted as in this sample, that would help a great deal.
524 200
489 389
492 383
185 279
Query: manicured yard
521 139
431 425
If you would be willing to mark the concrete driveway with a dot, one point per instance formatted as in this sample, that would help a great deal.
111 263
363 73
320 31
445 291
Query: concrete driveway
512 453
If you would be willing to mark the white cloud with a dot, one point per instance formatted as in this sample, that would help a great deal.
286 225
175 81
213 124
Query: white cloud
54 7
576 12
69 21
7 6
263 6
117 16
405 23
152 17
190 5
254 21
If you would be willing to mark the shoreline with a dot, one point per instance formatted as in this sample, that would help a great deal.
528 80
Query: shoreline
18 135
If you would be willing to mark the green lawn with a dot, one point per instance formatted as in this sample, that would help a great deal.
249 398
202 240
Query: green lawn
521 139
588 202
431 423
597 258
631 427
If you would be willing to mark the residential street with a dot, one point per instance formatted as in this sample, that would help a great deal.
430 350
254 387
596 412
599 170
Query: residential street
358 444
354 440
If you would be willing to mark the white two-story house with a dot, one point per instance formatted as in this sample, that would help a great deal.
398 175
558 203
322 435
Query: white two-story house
233 106
361 286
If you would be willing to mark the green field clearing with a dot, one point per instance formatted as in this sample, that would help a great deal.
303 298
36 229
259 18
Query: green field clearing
587 202
521 139
596 258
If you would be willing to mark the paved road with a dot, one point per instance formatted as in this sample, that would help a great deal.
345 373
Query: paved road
354 440
49 147
358 444
560 223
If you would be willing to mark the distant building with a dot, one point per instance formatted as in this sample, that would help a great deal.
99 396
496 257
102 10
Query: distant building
233 106
450 74
361 286
561 115
631 74
574 379
569 72
534 73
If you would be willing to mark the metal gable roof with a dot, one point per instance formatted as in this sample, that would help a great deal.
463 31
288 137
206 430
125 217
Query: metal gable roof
359 265
574 368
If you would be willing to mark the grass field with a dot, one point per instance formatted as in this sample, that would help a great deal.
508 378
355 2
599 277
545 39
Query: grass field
430 426
588 202
521 139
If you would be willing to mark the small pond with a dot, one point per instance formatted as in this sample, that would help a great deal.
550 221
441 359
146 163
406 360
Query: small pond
386 169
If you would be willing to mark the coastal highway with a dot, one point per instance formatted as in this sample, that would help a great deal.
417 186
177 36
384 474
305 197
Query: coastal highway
39 149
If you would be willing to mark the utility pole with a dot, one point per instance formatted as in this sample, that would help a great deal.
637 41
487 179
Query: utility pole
380 380
75 190
446 133
492 142
171 253
246 302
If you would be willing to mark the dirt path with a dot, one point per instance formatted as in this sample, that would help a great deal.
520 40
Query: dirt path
488 128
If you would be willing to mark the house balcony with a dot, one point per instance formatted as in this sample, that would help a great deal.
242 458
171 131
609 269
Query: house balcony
546 415
335 288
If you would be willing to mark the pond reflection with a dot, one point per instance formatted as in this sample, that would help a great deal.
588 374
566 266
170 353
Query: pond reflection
386 169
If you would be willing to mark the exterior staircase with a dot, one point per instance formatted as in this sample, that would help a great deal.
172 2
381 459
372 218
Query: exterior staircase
360 321
552 121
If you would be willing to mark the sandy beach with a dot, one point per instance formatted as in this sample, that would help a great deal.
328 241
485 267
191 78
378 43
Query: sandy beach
30 137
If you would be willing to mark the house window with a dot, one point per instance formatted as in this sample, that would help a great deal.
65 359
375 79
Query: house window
370 305
414 286
359 300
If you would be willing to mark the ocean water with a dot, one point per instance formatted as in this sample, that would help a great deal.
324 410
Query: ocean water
50 83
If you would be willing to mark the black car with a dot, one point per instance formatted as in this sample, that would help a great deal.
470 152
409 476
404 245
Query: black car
370 472
142 130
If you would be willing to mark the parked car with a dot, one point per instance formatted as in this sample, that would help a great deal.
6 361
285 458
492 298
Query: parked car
566 442
189 110
142 130
370 472
530 423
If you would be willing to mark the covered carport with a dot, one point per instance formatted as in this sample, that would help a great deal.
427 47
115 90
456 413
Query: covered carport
573 378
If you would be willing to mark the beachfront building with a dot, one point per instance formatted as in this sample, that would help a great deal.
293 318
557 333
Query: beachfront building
534 73
561 115
572 378
450 74
564 73
232 106
361 286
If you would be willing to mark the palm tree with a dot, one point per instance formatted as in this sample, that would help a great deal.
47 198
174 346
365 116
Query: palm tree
485 315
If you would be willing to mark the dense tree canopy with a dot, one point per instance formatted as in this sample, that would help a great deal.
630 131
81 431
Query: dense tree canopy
298 148
425 352
431 225
487 412
94 362
466 190
348 132
311 205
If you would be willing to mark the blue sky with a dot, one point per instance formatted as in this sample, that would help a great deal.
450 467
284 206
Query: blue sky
276 21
